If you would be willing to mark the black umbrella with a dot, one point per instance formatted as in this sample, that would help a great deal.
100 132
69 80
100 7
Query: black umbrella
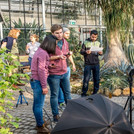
93 115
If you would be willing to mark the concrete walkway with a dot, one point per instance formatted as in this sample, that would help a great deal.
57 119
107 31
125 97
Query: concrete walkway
24 112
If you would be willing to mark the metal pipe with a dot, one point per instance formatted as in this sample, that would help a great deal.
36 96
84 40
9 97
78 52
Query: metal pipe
95 14
24 18
9 7
85 19
43 16
38 18
1 31
100 23
51 11
63 19
85 13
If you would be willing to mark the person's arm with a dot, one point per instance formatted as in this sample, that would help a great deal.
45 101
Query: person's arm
72 62
84 51
27 49
56 57
3 44
42 74
100 52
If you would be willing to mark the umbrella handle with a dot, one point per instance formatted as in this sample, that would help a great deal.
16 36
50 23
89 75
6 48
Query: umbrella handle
90 99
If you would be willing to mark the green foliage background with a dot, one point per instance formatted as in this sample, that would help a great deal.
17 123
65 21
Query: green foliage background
7 80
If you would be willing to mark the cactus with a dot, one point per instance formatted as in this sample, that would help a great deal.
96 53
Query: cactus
131 54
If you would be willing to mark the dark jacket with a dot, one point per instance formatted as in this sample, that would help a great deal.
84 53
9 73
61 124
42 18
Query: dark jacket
90 59
9 41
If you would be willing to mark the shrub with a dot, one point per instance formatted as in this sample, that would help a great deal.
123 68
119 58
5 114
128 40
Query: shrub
113 78
7 80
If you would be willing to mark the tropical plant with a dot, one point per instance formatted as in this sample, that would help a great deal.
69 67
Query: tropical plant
117 16
116 77
75 48
7 80
131 54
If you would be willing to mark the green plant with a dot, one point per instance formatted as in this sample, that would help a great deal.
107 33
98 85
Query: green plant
131 54
7 80
77 57
113 78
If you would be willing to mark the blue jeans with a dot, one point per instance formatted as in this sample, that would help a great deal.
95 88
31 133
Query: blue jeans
38 102
54 82
87 74
30 61
61 95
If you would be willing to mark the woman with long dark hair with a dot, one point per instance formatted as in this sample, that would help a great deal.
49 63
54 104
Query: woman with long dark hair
39 69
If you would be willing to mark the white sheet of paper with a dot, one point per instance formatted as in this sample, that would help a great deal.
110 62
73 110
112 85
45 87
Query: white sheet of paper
96 49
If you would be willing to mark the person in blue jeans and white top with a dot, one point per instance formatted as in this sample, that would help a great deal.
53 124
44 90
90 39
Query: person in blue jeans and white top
91 62
32 47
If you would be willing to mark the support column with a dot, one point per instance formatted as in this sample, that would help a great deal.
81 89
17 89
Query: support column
38 18
100 23
24 18
9 7
51 11
43 16
1 31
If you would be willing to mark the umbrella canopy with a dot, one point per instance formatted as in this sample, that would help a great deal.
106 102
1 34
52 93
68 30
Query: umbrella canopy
93 115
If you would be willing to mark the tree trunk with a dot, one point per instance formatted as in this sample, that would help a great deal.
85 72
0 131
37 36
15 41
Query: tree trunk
114 53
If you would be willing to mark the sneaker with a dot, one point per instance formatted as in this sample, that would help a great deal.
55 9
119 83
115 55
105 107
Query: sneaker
46 124
56 118
62 106
43 130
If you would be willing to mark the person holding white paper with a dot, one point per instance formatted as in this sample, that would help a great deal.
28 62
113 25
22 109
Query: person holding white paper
91 62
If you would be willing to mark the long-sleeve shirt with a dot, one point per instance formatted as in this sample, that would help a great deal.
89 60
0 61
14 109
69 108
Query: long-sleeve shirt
59 66
39 67
32 48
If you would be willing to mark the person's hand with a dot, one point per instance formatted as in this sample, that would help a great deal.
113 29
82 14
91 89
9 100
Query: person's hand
44 90
27 47
3 45
74 68
63 57
70 52
88 51
100 52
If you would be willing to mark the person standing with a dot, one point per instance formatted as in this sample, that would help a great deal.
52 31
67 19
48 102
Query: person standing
66 35
58 75
91 63
10 41
39 70
32 47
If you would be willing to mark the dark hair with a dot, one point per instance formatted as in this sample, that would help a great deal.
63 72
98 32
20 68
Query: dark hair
56 27
49 44
94 32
